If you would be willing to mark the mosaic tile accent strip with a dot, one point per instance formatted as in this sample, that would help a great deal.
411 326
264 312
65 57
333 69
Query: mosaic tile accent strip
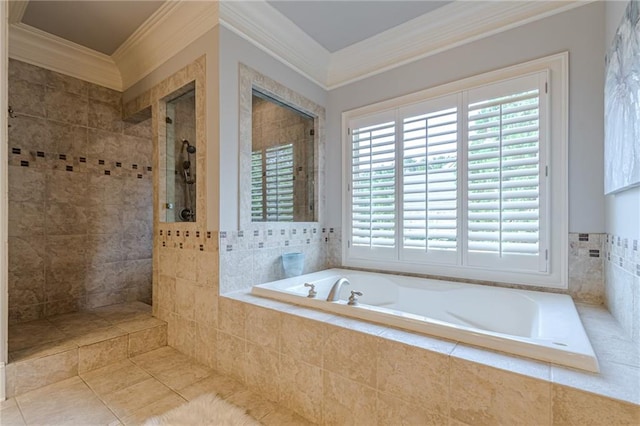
43 160
623 252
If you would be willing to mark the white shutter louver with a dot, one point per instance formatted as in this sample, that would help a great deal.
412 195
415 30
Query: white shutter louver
429 178
503 174
279 183
373 178
257 212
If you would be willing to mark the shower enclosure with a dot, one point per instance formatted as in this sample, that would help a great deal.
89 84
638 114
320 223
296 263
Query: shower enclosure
180 155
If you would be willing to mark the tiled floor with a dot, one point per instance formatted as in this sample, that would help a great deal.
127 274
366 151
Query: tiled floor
132 390
46 351
33 338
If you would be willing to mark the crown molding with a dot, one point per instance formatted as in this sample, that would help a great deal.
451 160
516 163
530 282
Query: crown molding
178 23
272 32
16 10
175 25
39 48
433 33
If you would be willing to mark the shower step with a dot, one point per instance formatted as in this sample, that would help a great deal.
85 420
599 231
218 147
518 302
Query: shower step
52 349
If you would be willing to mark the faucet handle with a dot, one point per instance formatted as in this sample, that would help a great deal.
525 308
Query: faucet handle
353 300
312 290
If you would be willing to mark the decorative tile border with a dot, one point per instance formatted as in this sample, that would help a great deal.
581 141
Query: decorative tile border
624 253
42 160
169 237
278 235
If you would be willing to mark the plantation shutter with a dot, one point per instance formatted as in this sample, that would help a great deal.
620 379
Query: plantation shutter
429 180
373 186
257 208
505 168
279 183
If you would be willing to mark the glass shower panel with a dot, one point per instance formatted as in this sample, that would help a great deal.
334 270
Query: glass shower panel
181 155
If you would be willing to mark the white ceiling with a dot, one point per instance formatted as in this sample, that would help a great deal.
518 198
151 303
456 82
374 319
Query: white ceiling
99 25
338 24
104 25
117 43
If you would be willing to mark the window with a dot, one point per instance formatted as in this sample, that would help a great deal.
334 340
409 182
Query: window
272 180
458 184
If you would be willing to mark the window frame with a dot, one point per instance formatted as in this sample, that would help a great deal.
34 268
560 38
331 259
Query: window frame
555 207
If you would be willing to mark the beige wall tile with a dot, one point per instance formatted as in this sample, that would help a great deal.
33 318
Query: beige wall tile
36 373
185 299
206 305
263 371
205 344
262 327
302 339
207 268
231 316
184 335
186 266
102 353
351 354
147 340
392 410
485 395
347 402
301 388
574 407
230 356
166 292
414 375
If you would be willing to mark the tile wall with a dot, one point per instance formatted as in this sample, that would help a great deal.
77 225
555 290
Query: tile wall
622 270
334 370
255 256
80 197
186 295
586 267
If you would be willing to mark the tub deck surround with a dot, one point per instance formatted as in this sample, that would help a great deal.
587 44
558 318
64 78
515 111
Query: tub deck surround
538 325
335 346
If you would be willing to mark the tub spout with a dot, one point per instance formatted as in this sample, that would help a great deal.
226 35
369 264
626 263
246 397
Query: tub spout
334 294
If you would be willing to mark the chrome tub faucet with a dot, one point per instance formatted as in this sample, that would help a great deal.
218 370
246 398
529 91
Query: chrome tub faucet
334 294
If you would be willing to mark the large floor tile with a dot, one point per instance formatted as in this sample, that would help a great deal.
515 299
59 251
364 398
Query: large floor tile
10 414
217 384
114 377
154 409
69 402
125 402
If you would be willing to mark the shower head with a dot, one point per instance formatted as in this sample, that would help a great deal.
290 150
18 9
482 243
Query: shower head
190 148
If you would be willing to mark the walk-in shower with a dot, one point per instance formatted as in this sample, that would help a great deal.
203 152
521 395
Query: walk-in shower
181 162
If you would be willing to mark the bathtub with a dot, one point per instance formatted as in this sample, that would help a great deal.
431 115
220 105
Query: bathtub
543 326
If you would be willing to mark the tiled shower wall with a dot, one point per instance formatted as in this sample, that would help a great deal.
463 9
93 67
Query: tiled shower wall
80 197
622 273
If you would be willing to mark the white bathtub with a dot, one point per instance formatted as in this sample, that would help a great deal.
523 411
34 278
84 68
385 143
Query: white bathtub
533 324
